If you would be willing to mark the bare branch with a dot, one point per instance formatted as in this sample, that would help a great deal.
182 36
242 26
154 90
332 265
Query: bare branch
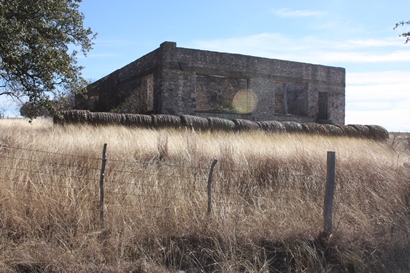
405 34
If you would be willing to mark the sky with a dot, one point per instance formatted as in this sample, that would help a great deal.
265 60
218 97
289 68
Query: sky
357 35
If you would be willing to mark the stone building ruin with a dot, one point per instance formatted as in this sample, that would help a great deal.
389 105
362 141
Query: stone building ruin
181 81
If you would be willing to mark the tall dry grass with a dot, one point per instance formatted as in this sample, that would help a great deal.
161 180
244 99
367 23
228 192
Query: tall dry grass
267 202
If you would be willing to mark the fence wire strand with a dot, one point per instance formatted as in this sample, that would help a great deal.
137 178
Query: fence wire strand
126 182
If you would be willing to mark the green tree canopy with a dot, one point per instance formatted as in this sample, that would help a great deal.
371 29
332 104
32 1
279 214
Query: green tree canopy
38 49
405 34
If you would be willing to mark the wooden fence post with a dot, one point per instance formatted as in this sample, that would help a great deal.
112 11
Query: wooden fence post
330 186
103 161
210 187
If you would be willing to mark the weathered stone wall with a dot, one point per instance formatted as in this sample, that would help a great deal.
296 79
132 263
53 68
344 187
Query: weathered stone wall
129 89
205 83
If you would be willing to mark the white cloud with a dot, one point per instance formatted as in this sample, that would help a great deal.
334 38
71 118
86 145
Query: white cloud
394 120
365 57
383 92
381 98
310 49
260 44
380 77
391 87
296 13
371 105
373 43
341 25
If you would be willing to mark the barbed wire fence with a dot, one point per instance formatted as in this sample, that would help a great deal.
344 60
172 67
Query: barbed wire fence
106 186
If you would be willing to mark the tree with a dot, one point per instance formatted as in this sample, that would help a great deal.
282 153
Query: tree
406 34
38 50
27 110
64 100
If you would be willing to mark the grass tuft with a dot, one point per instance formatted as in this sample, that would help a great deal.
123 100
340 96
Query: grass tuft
267 201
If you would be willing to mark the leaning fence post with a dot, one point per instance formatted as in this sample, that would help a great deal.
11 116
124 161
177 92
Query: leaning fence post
210 187
329 193
103 161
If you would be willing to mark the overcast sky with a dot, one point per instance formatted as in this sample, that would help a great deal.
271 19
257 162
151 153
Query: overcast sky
357 35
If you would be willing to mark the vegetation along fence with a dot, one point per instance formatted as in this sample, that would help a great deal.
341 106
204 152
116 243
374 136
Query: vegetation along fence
95 187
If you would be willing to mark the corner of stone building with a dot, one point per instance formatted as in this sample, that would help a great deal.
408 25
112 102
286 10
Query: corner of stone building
167 45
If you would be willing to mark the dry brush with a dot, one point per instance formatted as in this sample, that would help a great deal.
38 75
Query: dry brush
266 204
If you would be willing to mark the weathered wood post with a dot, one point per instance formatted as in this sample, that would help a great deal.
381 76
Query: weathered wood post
329 193
210 187
103 162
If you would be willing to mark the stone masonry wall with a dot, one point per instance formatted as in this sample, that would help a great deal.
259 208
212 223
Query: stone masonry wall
205 83
126 89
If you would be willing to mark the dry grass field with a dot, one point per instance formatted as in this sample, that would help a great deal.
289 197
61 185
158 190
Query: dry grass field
267 201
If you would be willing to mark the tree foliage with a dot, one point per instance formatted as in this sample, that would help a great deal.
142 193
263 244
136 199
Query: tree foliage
38 50
27 110
405 34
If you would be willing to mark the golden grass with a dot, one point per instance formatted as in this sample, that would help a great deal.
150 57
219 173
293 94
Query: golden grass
266 212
